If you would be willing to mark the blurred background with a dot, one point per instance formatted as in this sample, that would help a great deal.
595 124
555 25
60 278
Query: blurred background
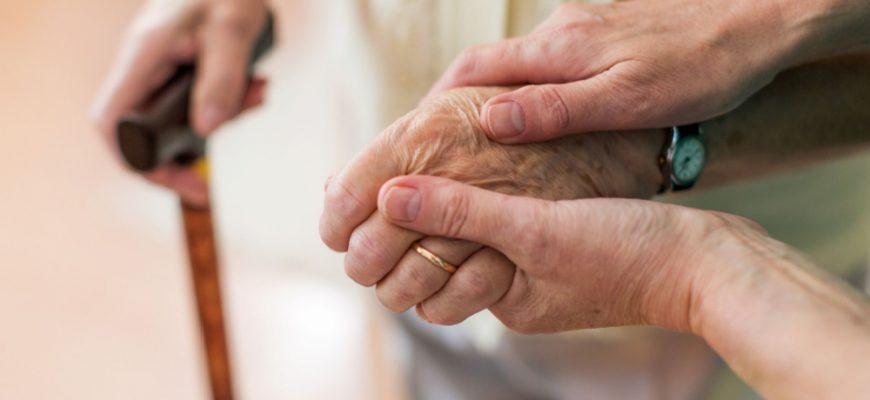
95 295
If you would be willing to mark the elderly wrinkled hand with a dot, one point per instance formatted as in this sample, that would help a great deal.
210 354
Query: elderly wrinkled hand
578 264
612 262
444 138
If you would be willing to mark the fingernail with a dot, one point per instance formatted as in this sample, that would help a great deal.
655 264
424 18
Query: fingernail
210 118
402 204
506 119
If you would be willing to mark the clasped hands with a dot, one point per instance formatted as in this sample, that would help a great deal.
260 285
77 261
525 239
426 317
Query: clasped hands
507 216
556 263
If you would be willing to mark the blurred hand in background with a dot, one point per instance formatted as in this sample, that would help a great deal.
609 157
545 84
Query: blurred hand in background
218 37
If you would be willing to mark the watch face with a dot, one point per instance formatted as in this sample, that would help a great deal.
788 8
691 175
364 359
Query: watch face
690 156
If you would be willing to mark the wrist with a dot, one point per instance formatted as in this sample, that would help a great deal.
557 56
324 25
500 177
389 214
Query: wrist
759 304
820 29
637 170
688 269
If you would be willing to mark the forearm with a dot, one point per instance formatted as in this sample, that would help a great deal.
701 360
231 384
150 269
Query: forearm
786 327
809 114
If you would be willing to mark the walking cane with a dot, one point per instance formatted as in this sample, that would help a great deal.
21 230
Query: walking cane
157 133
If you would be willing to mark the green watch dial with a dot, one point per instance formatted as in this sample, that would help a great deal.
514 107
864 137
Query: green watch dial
690 155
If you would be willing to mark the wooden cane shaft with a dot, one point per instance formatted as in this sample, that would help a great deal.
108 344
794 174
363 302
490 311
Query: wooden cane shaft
202 255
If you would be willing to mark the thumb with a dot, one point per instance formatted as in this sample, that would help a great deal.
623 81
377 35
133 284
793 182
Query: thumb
444 208
544 112
222 67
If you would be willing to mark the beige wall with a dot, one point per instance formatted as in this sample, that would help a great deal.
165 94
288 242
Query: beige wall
94 291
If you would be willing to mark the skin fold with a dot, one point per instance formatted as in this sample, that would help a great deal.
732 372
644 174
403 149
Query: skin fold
544 261
788 328
637 64
445 139
807 115
662 73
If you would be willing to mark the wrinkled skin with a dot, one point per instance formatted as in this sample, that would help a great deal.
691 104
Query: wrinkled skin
637 64
791 330
580 264
444 138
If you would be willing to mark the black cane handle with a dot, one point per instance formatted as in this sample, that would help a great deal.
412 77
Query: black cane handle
158 131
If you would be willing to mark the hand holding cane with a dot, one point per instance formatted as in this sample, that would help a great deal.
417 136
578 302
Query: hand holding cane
157 133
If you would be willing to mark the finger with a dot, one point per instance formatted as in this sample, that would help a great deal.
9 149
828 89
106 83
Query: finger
479 283
375 247
415 278
441 207
537 58
140 67
545 112
351 196
255 94
501 63
189 185
328 181
227 41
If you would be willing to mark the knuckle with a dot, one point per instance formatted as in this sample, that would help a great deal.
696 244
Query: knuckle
356 273
232 22
415 281
533 236
426 117
362 258
571 29
577 15
414 129
455 215
466 63
396 300
410 286
340 205
475 285
518 321
342 201
330 237
557 116
637 94
579 27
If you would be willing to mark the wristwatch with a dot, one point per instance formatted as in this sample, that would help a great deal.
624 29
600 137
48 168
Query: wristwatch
683 158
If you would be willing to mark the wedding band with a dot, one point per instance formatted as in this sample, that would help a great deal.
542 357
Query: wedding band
435 260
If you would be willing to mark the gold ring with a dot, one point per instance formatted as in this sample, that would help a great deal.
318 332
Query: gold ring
435 260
